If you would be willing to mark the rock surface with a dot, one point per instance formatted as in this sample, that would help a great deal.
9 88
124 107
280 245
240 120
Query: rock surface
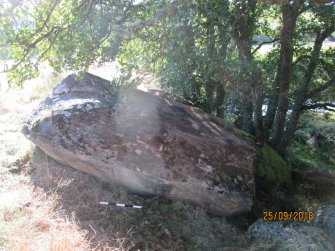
287 236
325 218
145 143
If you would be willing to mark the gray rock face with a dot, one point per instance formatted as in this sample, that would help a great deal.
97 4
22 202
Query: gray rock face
282 236
145 143
325 218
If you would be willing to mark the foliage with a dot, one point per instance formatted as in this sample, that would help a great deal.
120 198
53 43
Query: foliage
210 52
321 128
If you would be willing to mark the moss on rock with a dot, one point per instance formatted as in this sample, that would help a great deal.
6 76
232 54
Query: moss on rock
269 166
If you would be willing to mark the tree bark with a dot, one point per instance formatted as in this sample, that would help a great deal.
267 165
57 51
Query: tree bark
188 38
220 93
210 87
210 84
290 12
302 90
242 30
247 124
220 89
273 102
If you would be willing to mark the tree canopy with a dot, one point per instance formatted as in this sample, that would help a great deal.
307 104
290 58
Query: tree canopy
260 64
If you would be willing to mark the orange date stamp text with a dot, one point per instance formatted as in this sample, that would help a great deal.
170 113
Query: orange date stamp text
288 216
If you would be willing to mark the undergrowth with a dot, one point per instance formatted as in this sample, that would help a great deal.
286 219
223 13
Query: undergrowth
315 142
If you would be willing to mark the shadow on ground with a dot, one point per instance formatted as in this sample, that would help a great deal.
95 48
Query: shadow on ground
162 224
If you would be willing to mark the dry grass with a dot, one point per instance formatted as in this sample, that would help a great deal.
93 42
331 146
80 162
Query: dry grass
30 218
47 206
161 225
33 222
79 195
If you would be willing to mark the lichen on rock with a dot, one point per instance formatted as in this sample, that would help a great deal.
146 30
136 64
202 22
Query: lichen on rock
145 143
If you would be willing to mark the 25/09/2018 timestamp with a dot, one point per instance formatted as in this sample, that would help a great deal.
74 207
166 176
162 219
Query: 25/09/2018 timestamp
288 216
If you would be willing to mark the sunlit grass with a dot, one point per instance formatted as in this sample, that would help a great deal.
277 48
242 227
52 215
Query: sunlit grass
29 218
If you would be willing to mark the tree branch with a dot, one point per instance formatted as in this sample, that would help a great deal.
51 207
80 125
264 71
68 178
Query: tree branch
322 87
263 43
52 42
45 22
300 58
163 12
330 106
326 67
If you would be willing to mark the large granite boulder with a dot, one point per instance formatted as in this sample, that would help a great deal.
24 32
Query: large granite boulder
145 143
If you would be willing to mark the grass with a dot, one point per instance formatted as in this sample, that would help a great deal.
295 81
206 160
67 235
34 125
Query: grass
162 224
47 206
320 155
30 218
31 221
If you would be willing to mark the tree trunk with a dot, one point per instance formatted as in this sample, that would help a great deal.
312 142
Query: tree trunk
271 113
301 93
290 14
188 35
257 110
210 84
210 87
242 30
247 124
220 93
272 106
220 89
